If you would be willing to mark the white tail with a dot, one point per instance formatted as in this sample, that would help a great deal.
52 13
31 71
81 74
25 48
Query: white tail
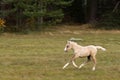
99 47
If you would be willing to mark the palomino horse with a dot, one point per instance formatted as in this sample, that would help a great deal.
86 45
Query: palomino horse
80 51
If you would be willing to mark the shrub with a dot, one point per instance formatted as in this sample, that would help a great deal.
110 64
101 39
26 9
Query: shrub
2 25
109 21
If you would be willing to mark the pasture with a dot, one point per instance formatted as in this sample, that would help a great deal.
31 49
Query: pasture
40 56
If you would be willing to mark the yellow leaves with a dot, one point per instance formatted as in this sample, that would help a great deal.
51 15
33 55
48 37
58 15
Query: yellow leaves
2 22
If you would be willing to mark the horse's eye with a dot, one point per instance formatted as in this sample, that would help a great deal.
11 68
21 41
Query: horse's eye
67 46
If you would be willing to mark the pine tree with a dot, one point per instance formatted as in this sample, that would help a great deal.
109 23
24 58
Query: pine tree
35 12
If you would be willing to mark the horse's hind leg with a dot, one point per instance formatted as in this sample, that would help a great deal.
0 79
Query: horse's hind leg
88 59
94 60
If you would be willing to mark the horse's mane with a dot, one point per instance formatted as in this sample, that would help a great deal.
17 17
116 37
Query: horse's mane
73 43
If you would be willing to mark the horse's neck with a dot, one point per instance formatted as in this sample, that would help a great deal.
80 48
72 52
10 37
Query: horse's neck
76 47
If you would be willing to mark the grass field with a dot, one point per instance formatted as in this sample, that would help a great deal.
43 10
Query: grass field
40 56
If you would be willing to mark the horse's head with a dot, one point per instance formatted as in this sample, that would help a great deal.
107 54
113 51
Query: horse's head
68 46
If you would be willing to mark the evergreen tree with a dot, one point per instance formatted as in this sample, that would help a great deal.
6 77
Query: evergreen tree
35 11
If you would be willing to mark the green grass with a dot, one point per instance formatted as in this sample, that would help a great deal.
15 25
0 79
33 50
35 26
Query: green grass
40 56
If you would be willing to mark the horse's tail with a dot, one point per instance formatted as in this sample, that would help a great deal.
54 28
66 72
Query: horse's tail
100 47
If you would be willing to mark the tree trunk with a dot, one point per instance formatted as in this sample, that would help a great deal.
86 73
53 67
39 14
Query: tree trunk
92 6
41 6
116 6
85 8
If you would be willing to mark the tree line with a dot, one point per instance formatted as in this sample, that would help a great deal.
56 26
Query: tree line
33 14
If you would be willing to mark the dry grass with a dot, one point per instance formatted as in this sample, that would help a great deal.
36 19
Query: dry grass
40 56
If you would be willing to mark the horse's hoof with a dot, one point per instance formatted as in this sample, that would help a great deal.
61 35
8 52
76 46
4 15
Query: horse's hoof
93 69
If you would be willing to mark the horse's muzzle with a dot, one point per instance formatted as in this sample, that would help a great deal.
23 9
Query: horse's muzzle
65 51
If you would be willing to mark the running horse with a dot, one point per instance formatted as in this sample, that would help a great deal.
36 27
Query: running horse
82 51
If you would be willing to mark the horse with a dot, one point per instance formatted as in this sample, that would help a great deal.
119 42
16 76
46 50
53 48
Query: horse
89 51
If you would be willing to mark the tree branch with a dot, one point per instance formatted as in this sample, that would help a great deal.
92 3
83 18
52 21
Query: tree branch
116 6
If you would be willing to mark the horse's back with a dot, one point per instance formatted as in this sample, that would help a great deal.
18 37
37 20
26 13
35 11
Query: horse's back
92 48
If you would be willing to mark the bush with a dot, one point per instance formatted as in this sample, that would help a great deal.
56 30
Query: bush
2 25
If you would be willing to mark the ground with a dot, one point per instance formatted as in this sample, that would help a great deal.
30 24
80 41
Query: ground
40 55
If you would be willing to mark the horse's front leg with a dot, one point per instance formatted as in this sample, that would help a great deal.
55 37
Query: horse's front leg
71 60
74 64
66 65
